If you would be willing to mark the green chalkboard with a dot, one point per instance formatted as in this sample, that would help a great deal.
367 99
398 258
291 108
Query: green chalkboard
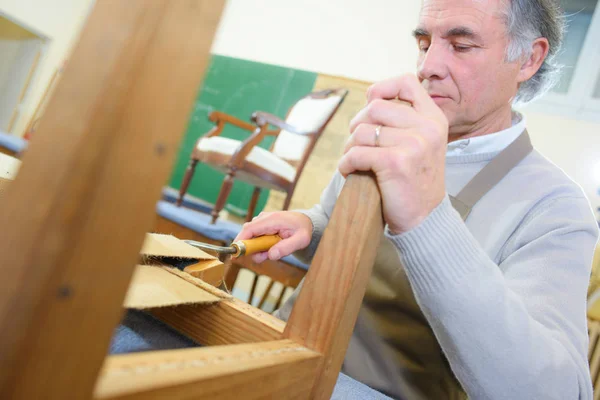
237 87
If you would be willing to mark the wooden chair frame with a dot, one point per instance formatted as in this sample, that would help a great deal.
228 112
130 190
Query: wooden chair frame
9 152
83 201
260 129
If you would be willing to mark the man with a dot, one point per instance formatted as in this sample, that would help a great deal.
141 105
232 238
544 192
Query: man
484 299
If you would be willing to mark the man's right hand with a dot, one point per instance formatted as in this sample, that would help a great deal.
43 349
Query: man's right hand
293 227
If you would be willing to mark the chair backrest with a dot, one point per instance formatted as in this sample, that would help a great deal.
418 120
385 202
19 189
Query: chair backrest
311 114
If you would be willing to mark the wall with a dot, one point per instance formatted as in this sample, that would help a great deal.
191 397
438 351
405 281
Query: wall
365 40
9 50
347 38
58 20
371 41
572 145
23 62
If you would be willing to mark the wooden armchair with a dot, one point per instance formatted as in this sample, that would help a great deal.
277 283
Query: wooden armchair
278 168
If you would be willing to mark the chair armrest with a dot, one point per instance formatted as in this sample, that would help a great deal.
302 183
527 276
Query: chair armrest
262 118
237 159
258 133
220 117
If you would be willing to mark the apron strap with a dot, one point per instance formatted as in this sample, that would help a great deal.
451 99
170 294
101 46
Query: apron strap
491 174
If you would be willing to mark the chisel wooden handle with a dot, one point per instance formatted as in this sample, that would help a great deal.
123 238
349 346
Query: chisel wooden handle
255 245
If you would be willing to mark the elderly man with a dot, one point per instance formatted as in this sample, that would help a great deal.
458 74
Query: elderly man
479 285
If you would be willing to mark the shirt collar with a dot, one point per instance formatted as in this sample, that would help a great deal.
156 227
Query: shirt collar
491 143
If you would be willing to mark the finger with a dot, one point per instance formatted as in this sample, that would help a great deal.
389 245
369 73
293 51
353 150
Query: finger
365 135
409 145
361 159
260 257
245 233
387 113
406 87
288 246
407 139
262 214
267 225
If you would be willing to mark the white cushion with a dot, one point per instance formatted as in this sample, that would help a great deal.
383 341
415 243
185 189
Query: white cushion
259 156
290 146
9 166
308 115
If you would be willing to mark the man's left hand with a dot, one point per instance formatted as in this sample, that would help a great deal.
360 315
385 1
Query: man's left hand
409 160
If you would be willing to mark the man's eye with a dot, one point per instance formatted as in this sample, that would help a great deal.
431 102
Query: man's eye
461 48
423 46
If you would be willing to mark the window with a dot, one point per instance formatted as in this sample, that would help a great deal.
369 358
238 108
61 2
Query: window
20 53
579 15
577 95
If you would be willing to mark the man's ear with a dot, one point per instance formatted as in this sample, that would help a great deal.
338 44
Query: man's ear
539 51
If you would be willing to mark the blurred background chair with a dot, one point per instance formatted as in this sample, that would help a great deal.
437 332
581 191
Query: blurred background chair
593 318
278 168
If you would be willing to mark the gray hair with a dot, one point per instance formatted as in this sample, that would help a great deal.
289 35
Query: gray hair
527 20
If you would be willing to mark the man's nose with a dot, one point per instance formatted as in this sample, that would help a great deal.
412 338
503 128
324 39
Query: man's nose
434 63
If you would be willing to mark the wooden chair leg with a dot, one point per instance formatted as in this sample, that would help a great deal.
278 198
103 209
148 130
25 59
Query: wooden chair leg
252 206
189 172
288 200
223 195
231 275
280 298
265 295
254 283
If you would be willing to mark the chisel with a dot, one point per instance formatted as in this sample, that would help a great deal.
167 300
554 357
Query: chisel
240 247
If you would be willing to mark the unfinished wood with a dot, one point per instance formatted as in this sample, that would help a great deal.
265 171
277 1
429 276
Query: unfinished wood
227 322
280 271
153 286
278 369
336 281
4 185
265 295
200 283
88 187
210 271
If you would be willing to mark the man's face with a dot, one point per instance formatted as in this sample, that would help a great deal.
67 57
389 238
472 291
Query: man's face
462 47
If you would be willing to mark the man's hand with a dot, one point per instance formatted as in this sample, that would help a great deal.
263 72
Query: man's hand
410 160
293 227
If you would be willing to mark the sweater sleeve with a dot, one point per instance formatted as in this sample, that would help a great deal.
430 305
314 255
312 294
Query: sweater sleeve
319 216
516 330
